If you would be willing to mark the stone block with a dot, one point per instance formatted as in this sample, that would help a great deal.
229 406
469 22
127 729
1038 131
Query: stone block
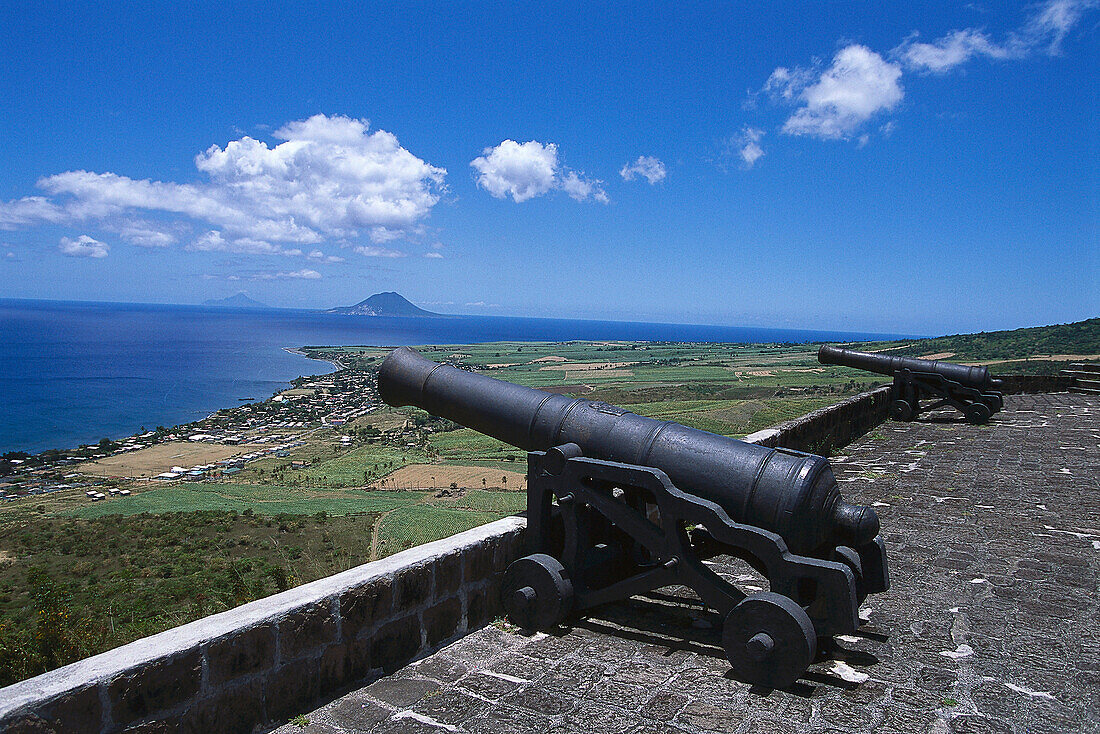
478 562
302 633
412 587
448 575
365 607
291 689
233 709
395 643
479 608
155 687
247 652
80 710
345 663
443 620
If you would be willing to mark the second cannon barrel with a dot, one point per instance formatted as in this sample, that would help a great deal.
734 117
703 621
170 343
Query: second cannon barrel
884 364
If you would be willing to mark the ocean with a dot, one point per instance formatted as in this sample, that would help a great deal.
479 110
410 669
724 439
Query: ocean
75 372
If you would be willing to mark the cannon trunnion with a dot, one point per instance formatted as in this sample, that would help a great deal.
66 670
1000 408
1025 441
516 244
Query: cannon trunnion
972 390
619 504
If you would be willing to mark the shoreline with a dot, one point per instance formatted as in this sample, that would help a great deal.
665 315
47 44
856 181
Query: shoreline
296 351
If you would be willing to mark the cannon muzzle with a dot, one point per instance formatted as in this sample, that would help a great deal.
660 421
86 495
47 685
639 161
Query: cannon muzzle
787 492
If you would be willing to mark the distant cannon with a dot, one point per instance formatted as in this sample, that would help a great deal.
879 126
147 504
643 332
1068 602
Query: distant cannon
619 504
969 389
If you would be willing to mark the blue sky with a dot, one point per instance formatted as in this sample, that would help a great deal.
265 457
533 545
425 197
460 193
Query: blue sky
899 167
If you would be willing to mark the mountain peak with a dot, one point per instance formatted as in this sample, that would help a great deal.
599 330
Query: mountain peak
388 303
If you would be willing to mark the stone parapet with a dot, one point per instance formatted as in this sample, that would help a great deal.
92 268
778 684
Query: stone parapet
263 662
829 428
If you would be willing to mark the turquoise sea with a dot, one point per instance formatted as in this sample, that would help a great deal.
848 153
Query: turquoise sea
75 372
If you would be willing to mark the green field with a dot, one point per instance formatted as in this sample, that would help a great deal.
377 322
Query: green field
260 499
414 525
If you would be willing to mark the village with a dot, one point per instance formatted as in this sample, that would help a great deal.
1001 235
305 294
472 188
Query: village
317 408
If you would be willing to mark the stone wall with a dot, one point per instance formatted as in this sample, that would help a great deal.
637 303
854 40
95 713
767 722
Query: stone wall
829 428
260 664
1017 384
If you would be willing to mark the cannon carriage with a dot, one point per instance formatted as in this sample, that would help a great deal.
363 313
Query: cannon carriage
971 390
619 504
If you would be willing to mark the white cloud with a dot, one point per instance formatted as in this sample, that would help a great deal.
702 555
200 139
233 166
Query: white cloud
27 211
322 257
858 85
83 246
747 145
331 177
648 167
144 234
1050 24
520 171
434 255
1043 31
580 188
948 52
303 274
215 241
372 251
526 170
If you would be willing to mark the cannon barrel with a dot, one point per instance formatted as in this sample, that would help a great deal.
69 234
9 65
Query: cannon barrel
787 492
975 377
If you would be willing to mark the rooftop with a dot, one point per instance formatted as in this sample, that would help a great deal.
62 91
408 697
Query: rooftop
990 626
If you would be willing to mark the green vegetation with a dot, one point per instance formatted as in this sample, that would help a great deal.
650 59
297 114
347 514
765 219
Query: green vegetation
267 500
406 527
1081 337
70 588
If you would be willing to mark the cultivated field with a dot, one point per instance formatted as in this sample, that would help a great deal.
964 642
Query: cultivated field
439 476
161 458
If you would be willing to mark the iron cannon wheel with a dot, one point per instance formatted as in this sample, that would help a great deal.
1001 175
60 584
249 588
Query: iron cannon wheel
977 413
769 640
536 592
995 402
901 410
850 558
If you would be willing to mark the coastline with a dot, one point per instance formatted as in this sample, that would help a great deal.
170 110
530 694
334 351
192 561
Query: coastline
297 351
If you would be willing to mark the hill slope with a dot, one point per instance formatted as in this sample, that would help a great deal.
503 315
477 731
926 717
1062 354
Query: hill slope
1081 337
383 304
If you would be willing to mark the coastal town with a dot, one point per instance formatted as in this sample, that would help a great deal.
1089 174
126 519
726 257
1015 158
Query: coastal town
315 409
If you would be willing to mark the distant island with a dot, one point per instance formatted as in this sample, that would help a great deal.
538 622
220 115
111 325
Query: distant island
384 304
238 301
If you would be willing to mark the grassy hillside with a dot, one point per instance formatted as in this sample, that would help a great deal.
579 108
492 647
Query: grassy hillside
1079 338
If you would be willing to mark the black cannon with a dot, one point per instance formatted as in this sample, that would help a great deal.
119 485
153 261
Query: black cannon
619 504
970 389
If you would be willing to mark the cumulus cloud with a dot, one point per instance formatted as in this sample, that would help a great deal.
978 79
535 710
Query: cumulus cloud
330 177
372 251
526 170
83 246
1042 32
747 145
303 274
434 255
858 85
215 241
322 257
836 102
647 167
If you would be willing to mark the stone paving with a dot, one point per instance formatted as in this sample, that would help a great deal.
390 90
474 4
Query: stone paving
993 536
